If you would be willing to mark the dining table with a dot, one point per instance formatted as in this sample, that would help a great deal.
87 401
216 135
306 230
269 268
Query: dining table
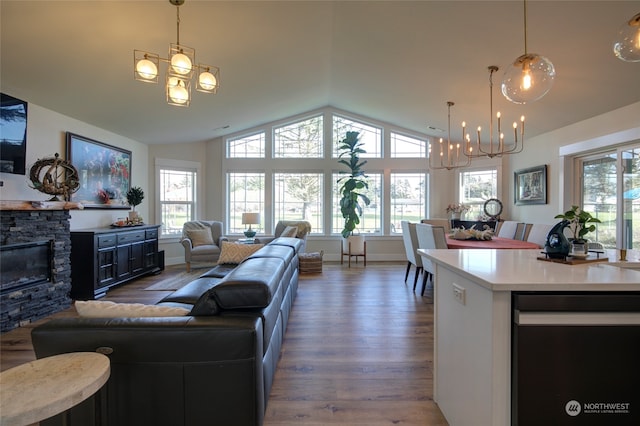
493 243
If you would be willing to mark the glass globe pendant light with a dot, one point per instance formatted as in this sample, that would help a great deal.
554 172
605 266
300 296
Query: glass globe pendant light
529 77
627 44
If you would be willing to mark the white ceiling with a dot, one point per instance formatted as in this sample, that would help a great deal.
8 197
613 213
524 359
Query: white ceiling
393 61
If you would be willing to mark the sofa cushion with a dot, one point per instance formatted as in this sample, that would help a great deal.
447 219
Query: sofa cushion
191 292
235 253
106 309
200 237
219 271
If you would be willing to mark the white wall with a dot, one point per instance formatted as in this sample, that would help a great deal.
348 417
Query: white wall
46 133
599 131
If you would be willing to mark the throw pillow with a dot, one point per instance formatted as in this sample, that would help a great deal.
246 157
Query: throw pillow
236 253
200 237
290 231
106 309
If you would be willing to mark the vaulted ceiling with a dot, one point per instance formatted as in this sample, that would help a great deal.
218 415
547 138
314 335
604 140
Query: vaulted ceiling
393 61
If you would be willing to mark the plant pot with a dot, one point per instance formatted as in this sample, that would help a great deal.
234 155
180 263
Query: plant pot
579 248
357 244
133 215
456 215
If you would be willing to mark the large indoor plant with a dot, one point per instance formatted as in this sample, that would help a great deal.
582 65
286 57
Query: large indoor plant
580 224
352 198
349 150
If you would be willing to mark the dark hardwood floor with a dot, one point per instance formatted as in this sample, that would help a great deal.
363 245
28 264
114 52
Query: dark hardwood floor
358 349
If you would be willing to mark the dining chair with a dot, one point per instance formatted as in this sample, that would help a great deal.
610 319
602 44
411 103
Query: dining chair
508 229
429 237
538 233
445 223
410 240
520 229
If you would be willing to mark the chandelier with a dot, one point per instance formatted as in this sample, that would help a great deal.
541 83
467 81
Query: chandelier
449 155
627 45
529 77
181 69
493 148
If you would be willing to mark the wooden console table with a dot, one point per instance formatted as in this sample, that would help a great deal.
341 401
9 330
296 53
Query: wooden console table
45 387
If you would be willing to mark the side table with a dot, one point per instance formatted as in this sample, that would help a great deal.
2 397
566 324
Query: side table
45 387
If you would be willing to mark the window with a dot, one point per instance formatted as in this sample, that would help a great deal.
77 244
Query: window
297 176
369 135
298 196
476 187
246 147
246 194
406 146
177 194
299 140
612 194
371 218
408 198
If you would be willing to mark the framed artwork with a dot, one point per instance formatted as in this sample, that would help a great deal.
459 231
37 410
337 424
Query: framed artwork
531 185
104 172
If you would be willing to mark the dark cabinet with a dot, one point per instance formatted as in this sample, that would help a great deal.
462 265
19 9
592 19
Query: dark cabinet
104 257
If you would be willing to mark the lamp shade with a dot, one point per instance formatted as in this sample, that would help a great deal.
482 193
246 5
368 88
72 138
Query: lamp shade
250 218
528 78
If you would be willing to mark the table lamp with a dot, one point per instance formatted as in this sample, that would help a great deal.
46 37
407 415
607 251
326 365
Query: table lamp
250 219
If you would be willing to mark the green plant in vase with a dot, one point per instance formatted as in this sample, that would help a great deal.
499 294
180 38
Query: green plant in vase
580 224
135 195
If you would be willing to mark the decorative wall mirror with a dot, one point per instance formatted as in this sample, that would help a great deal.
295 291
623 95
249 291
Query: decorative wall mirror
493 208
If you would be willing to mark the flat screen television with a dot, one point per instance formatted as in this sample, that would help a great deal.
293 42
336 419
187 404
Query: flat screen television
13 135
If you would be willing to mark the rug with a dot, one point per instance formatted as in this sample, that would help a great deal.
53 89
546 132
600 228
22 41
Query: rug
177 280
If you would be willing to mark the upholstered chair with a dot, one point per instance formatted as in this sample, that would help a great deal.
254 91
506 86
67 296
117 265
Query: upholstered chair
410 239
289 228
201 240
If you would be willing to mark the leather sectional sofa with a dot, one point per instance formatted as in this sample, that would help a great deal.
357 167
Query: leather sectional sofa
214 366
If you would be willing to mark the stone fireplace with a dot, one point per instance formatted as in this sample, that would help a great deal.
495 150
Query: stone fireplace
35 263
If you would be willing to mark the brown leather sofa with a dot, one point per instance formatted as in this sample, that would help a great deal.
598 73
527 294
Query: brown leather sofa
214 366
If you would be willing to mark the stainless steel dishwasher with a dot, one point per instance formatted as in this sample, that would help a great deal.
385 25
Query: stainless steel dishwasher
575 359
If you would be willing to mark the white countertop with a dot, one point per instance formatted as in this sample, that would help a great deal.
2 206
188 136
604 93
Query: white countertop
520 270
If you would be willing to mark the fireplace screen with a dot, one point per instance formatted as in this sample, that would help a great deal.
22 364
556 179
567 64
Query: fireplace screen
25 264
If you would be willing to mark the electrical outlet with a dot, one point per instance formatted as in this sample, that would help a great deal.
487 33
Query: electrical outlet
459 293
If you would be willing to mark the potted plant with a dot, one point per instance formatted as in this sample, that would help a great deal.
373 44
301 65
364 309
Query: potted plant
135 195
352 199
580 224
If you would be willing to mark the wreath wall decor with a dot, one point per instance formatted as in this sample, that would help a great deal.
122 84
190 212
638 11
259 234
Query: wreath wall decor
54 176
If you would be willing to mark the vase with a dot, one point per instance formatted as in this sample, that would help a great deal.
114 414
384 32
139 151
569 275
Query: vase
455 215
579 248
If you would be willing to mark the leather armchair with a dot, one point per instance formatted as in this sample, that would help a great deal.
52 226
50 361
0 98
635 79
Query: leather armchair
198 247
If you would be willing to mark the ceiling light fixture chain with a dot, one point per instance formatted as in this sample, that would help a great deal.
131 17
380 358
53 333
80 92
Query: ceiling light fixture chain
452 155
180 70
530 76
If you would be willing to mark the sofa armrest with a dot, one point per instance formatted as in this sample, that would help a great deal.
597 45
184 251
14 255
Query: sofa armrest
186 243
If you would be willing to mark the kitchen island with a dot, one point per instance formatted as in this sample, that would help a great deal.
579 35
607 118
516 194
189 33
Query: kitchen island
478 356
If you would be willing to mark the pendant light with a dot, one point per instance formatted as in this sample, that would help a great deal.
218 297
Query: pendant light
529 77
181 68
449 155
627 44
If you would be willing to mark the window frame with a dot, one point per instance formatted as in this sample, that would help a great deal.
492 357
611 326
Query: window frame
182 166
